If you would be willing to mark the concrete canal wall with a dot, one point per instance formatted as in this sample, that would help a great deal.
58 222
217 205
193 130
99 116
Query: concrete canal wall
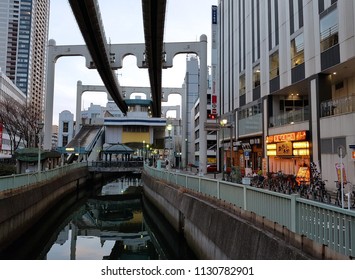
217 230
22 207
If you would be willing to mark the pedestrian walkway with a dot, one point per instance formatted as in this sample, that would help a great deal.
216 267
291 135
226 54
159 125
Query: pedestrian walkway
194 171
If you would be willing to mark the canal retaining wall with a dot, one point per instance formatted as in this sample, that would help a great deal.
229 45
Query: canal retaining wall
218 230
20 208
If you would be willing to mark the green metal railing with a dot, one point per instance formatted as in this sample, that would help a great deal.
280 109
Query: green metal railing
26 179
323 223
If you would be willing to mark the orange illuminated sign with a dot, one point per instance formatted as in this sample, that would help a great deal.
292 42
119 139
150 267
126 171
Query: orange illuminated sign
353 154
287 137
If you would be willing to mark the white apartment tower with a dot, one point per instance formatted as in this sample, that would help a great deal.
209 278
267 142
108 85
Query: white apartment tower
23 44
286 80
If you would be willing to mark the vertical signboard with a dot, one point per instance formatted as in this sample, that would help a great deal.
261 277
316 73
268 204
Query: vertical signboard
214 59
340 170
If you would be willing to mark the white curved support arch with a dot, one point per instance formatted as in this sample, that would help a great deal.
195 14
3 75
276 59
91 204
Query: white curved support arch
80 89
127 91
167 91
175 108
120 51
55 52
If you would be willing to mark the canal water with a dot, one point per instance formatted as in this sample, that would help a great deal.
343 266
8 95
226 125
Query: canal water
115 223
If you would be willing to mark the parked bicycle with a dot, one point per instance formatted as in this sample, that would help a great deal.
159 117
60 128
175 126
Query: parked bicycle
257 181
318 190
348 194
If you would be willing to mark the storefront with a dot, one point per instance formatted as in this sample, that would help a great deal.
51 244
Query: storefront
288 152
249 154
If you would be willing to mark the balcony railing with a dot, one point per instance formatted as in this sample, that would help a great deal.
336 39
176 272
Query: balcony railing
338 106
291 117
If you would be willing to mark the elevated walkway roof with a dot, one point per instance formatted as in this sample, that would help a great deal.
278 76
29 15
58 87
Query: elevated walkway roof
85 137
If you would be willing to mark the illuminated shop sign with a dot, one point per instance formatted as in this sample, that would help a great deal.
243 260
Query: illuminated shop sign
288 149
284 149
287 137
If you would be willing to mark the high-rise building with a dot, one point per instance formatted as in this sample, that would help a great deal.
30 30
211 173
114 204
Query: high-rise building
286 80
23 44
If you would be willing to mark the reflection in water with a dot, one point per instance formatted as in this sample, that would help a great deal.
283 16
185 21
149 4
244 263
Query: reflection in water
104 229
109 226
114 224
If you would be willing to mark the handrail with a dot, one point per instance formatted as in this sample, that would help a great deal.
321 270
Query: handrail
20 180
323 223
338 106
294 116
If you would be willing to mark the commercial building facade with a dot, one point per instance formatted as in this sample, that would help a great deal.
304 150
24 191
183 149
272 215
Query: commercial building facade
286 82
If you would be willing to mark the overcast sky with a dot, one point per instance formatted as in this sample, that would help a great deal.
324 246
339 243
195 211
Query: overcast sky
185 21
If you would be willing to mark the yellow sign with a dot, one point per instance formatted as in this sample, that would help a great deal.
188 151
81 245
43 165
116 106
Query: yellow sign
303 174
284 149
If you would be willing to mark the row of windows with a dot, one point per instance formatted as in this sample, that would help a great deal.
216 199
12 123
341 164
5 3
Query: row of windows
136 128
250 111
328 38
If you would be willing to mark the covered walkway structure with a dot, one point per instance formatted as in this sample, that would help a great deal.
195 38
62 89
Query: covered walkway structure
119 151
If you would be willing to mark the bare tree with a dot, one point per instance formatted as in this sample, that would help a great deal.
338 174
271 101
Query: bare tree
19 122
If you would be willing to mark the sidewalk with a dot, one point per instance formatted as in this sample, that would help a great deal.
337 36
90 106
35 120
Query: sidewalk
193 171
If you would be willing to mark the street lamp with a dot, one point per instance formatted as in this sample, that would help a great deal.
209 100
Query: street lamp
186 153
223 123
40 127
169 128
147 153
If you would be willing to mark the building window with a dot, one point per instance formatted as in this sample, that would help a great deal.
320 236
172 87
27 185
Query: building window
274 65
329 29
242 85
250 111
135 129
297 50
256 76
331 145
65 127
65 140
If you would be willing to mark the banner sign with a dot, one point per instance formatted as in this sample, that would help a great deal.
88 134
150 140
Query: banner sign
337 168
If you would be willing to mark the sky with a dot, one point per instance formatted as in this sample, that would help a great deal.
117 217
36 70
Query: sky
185 21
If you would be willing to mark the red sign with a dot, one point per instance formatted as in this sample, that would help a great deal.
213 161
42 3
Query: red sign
214 99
